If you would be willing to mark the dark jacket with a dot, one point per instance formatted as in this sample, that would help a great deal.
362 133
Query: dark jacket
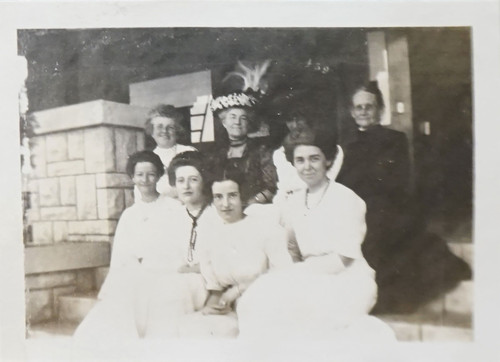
257 166
412 266
376 166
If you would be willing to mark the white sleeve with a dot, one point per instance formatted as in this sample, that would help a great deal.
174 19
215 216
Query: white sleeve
351 229
122 252
123 260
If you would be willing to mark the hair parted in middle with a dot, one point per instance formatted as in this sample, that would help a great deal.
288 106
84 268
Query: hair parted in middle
322 137
221 174
187 158
144 156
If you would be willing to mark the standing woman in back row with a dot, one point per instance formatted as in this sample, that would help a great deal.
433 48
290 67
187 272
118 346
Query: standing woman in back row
164 126
412 265
237 111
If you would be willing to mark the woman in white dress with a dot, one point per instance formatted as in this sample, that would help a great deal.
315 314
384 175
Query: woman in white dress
288 179
187 224
164 126
235 253
154 274
330 289
140 247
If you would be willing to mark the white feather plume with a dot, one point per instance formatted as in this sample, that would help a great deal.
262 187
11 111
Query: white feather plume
252 77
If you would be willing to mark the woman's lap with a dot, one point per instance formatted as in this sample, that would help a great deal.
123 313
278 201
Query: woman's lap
304 304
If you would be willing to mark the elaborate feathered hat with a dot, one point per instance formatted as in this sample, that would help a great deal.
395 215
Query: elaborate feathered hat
252 87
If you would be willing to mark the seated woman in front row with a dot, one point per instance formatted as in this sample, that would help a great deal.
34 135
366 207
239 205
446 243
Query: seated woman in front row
154 274
331 288
234 254
139 249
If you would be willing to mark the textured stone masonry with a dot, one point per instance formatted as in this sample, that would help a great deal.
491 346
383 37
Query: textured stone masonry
60 231
126 144
78 190
58 213
89 238
56 148
38 158
42 232
67 188
86 197
113 180
49 191
99 227
65 168
110 203
75 145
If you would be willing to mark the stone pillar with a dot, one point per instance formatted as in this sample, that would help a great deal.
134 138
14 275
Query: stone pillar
80 187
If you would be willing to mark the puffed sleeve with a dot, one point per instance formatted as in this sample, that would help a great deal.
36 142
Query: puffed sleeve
123 260
350 228
122 254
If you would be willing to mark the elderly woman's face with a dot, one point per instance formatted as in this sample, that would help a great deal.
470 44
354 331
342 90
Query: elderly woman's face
189 185
236 123
164 132
145 177
227 200
365 109
311 164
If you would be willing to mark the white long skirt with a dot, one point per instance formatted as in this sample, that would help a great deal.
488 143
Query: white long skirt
301 304
149 305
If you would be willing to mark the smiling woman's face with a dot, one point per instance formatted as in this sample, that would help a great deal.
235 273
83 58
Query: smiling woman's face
311 164
164 132
236 123
145 177
189 185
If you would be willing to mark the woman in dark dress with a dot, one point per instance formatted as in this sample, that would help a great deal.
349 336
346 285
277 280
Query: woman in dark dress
412 266
236 110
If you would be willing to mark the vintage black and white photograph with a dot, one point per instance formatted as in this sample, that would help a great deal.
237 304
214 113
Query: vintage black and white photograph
246 185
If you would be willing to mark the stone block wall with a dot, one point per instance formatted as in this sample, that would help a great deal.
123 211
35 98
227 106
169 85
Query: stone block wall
80 186
78 191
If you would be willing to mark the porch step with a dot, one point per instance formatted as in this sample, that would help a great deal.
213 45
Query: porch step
73 308
51 329
447 318
464 251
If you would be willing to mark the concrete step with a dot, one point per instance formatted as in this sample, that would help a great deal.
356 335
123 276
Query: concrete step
447 318
100 275
50 329
427 332
464 251
73 308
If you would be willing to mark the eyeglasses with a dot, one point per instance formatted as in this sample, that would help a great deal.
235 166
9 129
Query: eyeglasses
364 107
160 127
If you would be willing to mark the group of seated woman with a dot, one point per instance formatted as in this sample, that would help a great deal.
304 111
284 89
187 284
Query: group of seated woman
199 265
